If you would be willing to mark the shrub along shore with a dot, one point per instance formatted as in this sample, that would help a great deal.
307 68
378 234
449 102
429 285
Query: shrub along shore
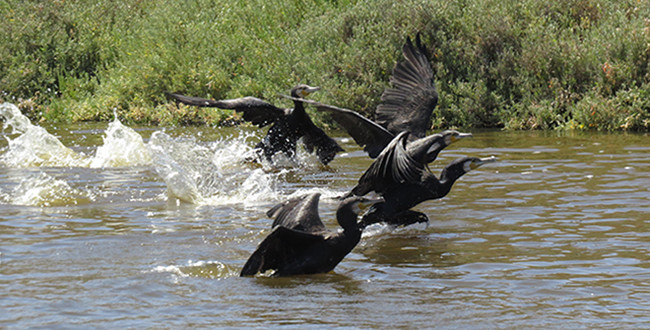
525 64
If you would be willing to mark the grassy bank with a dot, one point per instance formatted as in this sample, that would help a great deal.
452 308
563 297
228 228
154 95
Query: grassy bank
576 64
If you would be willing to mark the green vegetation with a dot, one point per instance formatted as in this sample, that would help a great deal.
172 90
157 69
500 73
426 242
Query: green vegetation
574 64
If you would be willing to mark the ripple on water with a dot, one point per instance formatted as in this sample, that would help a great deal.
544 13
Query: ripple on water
553 235
205 269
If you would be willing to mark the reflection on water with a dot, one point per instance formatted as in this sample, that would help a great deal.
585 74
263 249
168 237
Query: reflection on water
104 225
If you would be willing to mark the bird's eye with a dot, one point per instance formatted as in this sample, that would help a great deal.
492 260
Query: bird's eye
468 166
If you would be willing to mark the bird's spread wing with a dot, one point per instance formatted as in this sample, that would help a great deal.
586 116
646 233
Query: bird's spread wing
408 104
392 166
279 248
299 213
366 133
192 100
254 110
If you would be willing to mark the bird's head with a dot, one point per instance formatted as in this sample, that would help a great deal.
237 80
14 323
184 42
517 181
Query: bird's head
452 136
448 137
302 90
350 208
426 149
460 166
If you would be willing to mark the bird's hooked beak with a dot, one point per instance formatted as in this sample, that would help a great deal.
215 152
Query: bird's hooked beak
456 137
308 90
448 139
478 162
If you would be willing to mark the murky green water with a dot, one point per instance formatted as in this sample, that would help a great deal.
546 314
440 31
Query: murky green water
556 234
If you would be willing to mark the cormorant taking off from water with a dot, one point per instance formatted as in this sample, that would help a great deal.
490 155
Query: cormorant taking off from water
406 106
288 125
300 243
404 182
414 156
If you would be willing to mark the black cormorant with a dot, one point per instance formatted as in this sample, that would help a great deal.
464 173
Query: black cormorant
421 152
288 125
404 182
299 242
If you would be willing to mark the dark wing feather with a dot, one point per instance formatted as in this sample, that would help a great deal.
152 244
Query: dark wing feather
393 166
192 100
366 133
299 213
408 104
254 110
279 248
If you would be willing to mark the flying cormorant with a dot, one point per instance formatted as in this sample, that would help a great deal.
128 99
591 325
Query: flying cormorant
288 125
421 152
404 182
299 242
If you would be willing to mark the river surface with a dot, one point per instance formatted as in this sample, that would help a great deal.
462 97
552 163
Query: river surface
108 226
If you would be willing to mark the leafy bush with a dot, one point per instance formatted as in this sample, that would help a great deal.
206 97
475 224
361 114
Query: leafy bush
531 64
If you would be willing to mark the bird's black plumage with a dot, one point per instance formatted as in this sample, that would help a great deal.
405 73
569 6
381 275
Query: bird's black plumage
405 181
299 242
407 106
403 161
299 213
287 125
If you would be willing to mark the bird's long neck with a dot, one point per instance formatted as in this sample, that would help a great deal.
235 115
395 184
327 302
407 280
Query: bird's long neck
298 106
447 179
425 150
347 219
300 115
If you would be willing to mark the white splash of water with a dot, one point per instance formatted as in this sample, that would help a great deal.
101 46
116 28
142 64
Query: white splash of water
230 152
43 190
376 229
327 195
122 147
14 118
301 159
209 269
251 187
381 229
215 175
169 269
173 163
241 181
34 146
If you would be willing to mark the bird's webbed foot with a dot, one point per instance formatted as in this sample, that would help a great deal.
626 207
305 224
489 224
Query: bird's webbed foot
377 214
406 218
